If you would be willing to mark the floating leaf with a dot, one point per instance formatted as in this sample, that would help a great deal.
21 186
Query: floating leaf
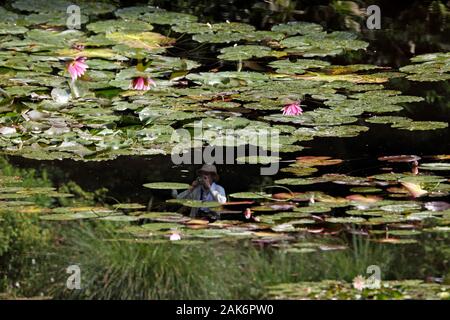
195 203
298 27
129 206
167 185
345 220
401 158
107 26
439 166
244 52
140 40
420 125
249 195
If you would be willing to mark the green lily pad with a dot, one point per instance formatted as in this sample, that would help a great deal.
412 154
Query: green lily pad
129 206
439 166
258 159
120 218
167 185
298 27
345 220
298 67
433 67
313 209
420 125
168 17
244 52
140 40
106 26
157 226
72 216
366 190
195 203
250 195
404 232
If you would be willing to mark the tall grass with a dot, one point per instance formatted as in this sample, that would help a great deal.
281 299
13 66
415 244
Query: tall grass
116 269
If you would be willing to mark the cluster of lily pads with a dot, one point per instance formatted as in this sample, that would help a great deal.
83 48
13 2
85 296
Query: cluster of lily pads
429 67
401 208
45 115
384 207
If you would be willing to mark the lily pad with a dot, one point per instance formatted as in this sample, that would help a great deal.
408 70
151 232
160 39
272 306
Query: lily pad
167 185
439 166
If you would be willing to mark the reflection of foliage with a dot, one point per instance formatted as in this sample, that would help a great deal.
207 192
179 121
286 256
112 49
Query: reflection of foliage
427 21
349 13
21 240
28 178
125 269
84 196
437 255
25 243
394 263
439 15
21 237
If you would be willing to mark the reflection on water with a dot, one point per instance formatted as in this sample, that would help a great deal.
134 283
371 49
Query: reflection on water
392 46
124 176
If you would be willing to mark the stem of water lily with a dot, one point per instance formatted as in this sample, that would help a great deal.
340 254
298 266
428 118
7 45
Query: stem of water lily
139 54
74 89
239 66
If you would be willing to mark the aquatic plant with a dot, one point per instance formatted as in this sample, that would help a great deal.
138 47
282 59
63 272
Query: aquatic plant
292 109
141 83
77 67
326 223
127 52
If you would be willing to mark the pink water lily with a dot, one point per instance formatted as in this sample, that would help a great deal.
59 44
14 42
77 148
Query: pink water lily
248 213
359 283
175 236
142 83
292 109
77 67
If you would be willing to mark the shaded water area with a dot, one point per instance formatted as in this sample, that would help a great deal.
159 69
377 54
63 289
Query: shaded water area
334 208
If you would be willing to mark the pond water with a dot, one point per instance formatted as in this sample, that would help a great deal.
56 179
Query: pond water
368 157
